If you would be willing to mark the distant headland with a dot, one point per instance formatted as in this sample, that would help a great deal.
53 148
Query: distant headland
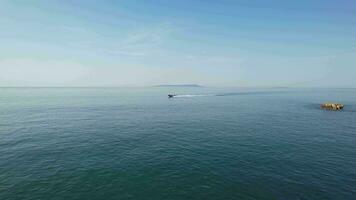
179 85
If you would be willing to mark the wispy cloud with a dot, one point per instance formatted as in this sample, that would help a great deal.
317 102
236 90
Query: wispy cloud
121 52
133 43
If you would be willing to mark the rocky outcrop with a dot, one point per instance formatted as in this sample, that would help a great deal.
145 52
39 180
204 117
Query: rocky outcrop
332 106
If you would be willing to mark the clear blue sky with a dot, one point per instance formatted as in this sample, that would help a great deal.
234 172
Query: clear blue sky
305 43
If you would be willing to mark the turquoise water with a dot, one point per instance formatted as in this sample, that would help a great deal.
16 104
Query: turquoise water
209 143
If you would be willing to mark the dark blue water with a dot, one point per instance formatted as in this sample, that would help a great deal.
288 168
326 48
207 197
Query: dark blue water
135 143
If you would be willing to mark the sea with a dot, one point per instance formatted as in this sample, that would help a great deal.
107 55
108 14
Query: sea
205 143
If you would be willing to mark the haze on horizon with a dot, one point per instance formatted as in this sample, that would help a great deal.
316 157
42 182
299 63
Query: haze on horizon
213 43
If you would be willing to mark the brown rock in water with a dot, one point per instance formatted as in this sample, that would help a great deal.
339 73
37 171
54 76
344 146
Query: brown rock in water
332 106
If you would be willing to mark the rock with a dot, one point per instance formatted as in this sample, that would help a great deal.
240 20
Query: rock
332 106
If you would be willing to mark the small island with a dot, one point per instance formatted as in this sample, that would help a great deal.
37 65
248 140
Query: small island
179 85
332 106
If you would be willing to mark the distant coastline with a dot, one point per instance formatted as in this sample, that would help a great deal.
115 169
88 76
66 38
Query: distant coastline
179 85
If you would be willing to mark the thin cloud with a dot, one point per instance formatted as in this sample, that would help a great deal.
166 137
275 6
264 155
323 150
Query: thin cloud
136 43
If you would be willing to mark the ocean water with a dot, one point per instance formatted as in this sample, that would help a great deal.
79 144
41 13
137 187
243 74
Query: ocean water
207 143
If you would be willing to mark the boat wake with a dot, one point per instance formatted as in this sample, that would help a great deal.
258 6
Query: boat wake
219 94
193 95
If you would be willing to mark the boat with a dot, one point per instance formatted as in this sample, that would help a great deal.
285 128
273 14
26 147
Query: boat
171 95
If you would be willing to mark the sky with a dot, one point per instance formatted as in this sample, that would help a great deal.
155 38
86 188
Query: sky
250 43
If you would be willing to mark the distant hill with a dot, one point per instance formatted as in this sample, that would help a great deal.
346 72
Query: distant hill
179 85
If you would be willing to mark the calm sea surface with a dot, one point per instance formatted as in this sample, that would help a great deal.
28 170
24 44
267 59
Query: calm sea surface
208 143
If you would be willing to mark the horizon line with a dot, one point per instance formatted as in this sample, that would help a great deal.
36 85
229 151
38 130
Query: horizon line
201 86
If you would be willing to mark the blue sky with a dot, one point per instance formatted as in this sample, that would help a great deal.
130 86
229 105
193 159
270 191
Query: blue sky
306 43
